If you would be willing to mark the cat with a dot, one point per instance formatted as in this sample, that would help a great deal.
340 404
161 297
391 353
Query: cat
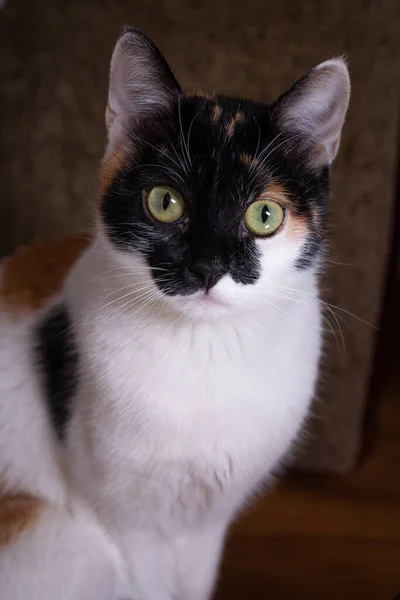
155 372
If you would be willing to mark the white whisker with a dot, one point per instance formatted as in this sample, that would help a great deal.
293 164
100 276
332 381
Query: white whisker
259 139
255 163
275 148
329 305
183 141
164 168
160 150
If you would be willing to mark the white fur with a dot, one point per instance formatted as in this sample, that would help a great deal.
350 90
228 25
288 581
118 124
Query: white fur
184 408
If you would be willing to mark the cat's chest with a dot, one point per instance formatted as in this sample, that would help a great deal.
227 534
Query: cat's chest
196 372
205 392
189 420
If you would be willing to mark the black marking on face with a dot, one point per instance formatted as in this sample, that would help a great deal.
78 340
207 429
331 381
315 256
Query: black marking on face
57 358
201 156
311 249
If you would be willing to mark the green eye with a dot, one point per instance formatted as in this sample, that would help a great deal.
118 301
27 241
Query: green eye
264 217
165 204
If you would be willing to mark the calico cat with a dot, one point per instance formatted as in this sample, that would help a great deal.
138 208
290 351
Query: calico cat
154 373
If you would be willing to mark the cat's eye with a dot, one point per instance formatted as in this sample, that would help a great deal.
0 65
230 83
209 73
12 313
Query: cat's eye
165 204
264 217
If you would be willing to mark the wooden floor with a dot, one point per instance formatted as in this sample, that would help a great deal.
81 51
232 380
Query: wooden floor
325 538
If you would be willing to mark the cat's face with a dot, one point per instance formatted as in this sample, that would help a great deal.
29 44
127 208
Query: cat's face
223 200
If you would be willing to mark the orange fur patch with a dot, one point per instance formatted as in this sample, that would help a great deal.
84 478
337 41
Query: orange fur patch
35 273
296 226
230 128
18 512
110 168
205 95
276 191
217 113
245 159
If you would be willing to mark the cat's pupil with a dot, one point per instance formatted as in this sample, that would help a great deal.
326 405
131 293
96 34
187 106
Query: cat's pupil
265 213
166 200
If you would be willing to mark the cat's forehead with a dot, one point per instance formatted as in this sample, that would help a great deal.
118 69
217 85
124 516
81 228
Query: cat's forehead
222 109
227 122
210 140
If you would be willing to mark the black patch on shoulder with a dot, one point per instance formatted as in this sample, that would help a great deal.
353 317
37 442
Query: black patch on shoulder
58 361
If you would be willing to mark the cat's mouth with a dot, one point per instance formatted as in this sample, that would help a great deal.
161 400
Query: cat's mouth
201 304
208 304
211 298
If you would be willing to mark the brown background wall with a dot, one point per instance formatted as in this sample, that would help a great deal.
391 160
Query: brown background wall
53 65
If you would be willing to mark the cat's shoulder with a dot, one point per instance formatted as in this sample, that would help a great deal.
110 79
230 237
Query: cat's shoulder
34 274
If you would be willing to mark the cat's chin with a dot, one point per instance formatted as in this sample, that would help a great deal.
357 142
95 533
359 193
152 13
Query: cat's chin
201 305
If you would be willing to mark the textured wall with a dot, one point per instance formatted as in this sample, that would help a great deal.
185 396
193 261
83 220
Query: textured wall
54 61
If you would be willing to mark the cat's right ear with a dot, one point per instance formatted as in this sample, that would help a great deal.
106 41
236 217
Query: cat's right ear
141 85
314 110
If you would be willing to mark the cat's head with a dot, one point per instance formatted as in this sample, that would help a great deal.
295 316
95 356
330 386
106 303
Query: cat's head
216 202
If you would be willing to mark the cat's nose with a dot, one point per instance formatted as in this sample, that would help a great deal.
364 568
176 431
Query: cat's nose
209 274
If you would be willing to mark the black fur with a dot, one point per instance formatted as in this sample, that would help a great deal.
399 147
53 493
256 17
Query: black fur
58 361
189 148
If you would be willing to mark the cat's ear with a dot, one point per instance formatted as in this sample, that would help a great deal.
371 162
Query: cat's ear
141 84
315 107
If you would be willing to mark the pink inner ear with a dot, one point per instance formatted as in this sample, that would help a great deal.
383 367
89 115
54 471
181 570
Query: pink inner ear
141 84
318 155
317 106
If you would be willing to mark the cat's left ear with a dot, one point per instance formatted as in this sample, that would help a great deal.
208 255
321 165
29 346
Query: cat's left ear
314 109
141 85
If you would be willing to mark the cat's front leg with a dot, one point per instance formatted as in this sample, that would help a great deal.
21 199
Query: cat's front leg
145 555
62 555
196 557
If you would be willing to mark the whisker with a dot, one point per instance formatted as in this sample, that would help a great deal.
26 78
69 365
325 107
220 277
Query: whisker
135 300
164 168
276 309
275 148
136 286
329 305
148 286
146 301
160 150
183 141
181 161
259 139
341 264
263 151
326 318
